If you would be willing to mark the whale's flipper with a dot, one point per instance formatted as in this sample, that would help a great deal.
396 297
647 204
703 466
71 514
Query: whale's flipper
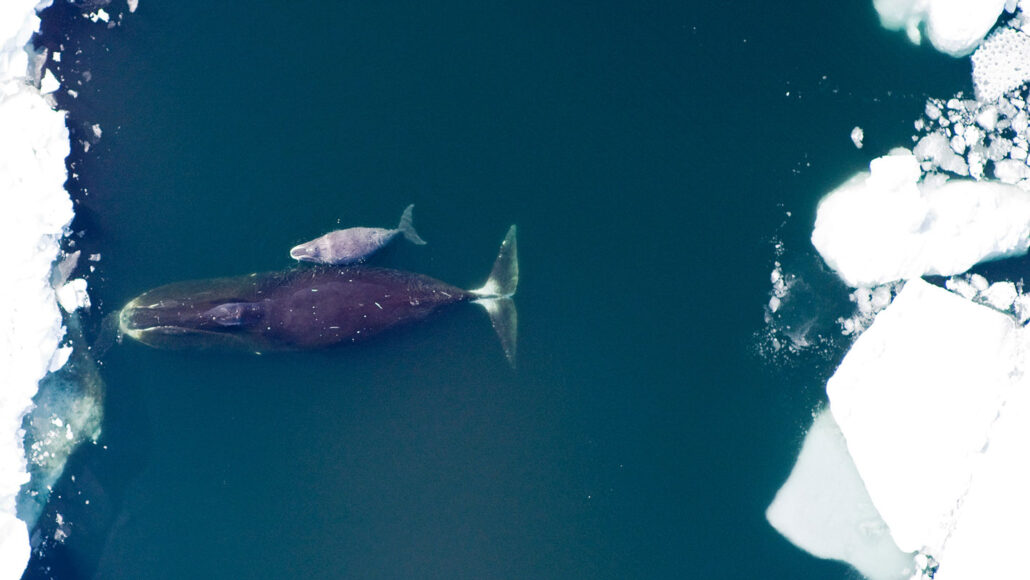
497 295
408 229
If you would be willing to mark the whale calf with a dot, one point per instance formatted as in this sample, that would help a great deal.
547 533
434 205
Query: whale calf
307 308
353 245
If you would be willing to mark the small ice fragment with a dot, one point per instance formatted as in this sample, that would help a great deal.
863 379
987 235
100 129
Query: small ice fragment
96 130
1011 170
73 296
880 298
958 144
49 83
133 4
1022 308
988 118
939 151
847 326
856 137
64 268
979 282
961 287
56 56
1001 295
59 359
932 111
94 257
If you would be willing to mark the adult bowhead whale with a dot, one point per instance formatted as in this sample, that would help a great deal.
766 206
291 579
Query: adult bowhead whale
311 308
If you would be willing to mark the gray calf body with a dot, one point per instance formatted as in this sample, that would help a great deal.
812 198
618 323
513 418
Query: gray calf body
354 245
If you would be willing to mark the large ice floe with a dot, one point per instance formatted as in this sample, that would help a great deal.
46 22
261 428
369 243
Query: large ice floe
888 225
954 27
917 467
35 214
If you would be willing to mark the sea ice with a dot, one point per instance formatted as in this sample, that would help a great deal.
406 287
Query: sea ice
1002 63
954 27
824 508
933 398
34 212
989 536
887 225
916 397
73 295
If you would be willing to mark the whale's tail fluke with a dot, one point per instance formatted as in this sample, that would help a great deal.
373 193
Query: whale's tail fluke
407 228
496 295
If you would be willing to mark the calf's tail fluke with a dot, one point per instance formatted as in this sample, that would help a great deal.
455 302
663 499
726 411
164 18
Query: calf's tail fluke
407 228
496 295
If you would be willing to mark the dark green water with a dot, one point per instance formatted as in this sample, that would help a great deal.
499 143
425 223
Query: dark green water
648 153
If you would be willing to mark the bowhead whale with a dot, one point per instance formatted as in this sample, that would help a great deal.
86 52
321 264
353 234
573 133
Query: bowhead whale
306 308
353 245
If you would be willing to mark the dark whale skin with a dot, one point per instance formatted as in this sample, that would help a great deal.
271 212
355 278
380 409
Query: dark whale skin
293 310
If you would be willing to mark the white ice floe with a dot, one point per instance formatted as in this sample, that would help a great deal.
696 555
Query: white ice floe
915 398
934 404
888 225
824 508
34 212
954 27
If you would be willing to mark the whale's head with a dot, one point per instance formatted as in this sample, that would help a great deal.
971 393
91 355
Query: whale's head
308 252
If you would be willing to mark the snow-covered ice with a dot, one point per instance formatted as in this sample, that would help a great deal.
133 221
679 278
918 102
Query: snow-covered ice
916 397
887 224
933 402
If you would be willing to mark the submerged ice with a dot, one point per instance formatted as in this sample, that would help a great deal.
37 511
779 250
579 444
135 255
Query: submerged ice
825 507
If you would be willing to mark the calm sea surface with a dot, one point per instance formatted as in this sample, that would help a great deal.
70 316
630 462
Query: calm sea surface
649 153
